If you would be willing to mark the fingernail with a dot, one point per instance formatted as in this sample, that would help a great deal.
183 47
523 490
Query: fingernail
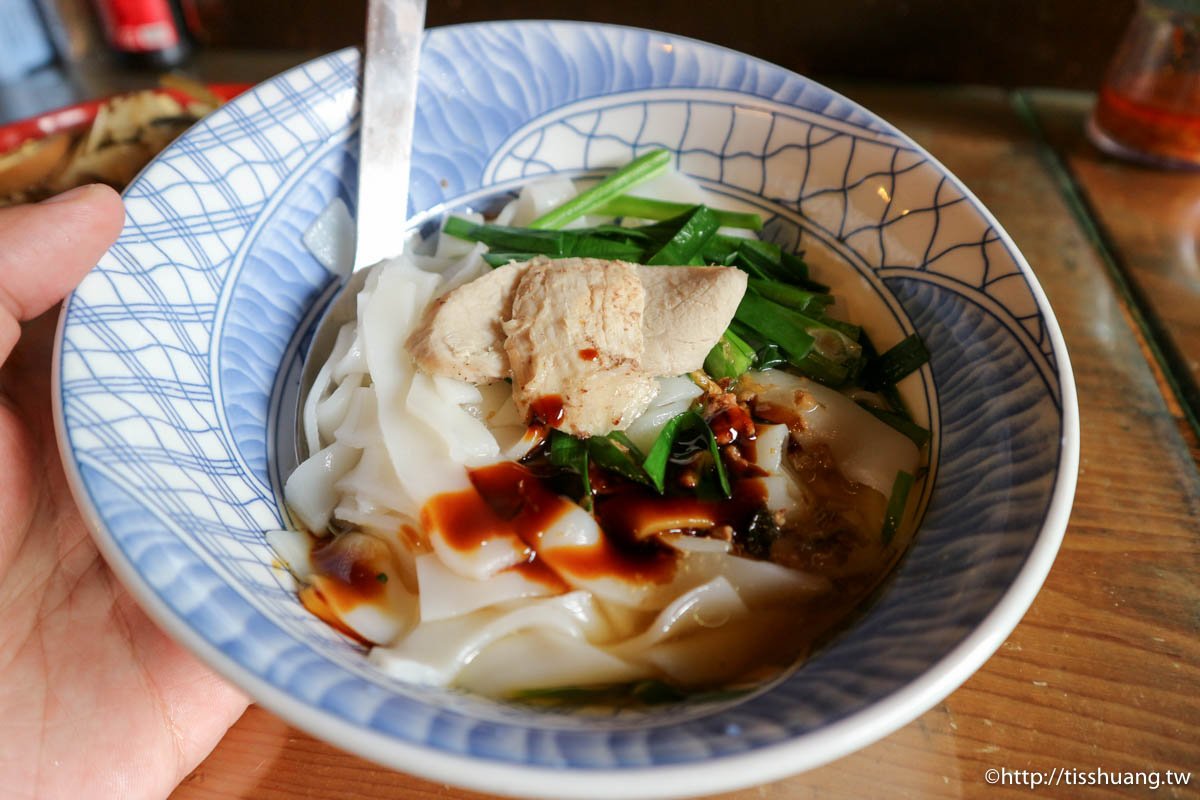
69 195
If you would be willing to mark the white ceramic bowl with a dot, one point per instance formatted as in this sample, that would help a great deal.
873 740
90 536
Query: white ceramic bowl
177 352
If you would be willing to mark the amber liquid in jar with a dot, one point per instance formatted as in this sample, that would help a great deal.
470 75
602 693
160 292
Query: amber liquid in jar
1157 117
1148 108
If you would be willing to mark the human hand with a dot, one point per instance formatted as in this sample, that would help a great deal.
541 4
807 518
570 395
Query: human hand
95 701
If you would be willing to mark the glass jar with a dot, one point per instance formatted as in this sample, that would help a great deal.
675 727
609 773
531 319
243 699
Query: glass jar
1149 105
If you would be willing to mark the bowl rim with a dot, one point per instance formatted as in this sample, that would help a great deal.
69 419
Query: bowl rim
703 777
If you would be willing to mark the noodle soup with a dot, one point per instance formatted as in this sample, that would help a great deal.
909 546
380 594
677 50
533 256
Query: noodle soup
547 475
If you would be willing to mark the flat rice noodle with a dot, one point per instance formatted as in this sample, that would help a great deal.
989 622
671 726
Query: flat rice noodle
434 653
309 490
536 199
674 187
374 484
783 494
758 583
332 410
391 528
763 583
493 399
576 529
419 456
717 656
769 447
460 393
517 442
291 548
675 395
507 214
538 658
359 426
501 549
465 269
321 387
866 450
330 238
514 438
381 623
354 362
676 388
466 439
371 518
381 618
645 429
444 593
695 544
710 605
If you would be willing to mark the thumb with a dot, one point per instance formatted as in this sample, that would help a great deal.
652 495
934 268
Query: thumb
45 250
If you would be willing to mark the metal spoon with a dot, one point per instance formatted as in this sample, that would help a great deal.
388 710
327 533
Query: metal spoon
388 105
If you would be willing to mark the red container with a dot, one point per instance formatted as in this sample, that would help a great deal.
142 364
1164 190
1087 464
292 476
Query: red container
80 115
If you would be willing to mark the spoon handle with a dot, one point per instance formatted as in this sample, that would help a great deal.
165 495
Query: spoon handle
389 98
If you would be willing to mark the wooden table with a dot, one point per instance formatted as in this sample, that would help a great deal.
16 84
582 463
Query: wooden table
1104 670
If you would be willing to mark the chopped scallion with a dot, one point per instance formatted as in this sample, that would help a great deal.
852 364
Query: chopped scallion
693 229
617 454
898 501
760 315
640 170
802 300
628 205
660 453
904 358
730 357
570 453
920 436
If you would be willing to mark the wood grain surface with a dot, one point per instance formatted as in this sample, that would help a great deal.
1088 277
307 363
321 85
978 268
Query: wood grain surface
1104 670
1148 221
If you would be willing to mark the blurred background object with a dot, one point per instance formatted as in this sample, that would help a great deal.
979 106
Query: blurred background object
1062 43
1066 43
146 34
24 42
100 142
75 28
103 47
1149 105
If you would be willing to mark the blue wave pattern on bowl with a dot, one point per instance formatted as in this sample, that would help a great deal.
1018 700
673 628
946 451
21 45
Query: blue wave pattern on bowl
171 350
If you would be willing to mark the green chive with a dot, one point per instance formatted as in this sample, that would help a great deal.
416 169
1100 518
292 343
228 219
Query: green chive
906 357
761 315
694 228
640 170
920 436
660 453
611 453
802 300
894 514
570 453
729 357
628 205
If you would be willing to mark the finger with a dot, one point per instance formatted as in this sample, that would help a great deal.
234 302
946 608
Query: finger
45 250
